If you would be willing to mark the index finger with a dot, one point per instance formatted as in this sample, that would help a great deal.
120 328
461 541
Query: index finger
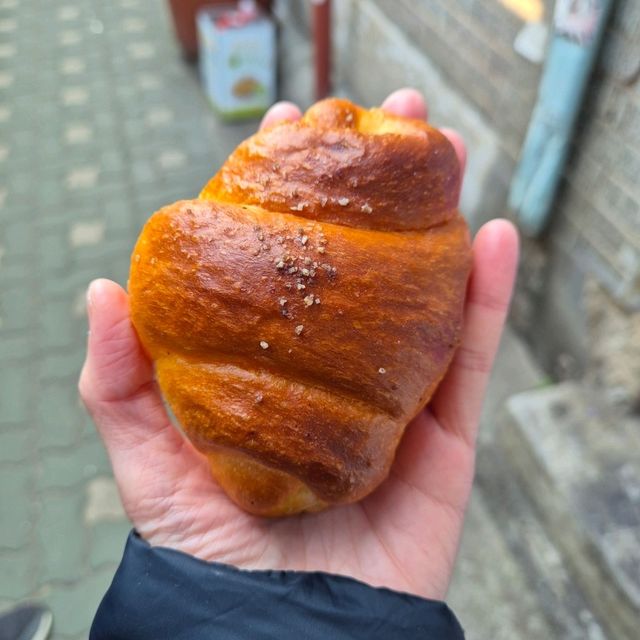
410 103
458 401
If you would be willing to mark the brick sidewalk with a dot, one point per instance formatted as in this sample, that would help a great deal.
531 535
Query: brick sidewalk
100 123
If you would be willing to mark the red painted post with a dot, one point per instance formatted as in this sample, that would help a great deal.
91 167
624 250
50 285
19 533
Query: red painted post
322 44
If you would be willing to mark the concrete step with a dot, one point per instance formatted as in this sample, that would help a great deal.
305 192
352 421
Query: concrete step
491 591
549 579
579 465
511 580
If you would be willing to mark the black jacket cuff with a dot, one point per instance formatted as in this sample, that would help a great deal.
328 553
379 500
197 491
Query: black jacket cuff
162 593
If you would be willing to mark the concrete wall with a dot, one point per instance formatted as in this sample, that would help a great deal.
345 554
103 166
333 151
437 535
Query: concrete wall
460 54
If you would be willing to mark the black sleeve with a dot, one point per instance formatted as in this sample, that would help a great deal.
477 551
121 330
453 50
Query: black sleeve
160 593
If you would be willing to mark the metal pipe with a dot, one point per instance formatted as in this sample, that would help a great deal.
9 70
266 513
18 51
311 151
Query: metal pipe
578 30
322 46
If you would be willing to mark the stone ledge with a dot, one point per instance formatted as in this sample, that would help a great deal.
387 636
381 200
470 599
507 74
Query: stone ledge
573 460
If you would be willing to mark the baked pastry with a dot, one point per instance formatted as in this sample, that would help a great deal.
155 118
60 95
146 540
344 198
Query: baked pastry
304 308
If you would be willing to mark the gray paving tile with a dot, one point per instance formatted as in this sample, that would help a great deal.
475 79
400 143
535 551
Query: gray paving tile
15 444
57 407
61 537
17 513
15 394
107 542
72 467
74 606
100 125
16 569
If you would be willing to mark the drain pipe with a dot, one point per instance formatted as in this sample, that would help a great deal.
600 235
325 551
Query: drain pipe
322 45
578 29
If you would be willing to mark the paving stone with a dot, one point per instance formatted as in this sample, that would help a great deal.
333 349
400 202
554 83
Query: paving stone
87 427
15 346
171 159
15 394
70 38
13 270
58 414
15 444
74 466
16 575
107 542
53 250
74 96
17 517
18 238
50 194
142 173
112 162
118 214
79 305
100 112
485 559
110 256
61 536
65 365
82 177
69 280
83 234
72 66
57 326
75 606
7 51
103 501
577 471
17 308
561 600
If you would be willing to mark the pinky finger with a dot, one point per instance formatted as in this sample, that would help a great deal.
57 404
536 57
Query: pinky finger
458 144
281 112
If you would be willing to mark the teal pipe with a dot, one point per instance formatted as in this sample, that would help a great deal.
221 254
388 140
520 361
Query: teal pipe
546 147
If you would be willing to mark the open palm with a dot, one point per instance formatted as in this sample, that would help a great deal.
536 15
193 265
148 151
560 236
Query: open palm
403 536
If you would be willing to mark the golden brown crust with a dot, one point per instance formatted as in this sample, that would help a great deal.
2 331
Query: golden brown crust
345 165
295 343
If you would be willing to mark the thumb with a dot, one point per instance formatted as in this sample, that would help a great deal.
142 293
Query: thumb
117 383
116 366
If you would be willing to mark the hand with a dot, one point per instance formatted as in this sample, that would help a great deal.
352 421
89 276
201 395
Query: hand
404 536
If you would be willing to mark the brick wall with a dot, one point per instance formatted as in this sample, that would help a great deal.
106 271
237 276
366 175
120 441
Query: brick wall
593 241
600 200
472 42
598 207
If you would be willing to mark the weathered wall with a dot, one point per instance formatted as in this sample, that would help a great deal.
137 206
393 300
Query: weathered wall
460 54
588 264
471 41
